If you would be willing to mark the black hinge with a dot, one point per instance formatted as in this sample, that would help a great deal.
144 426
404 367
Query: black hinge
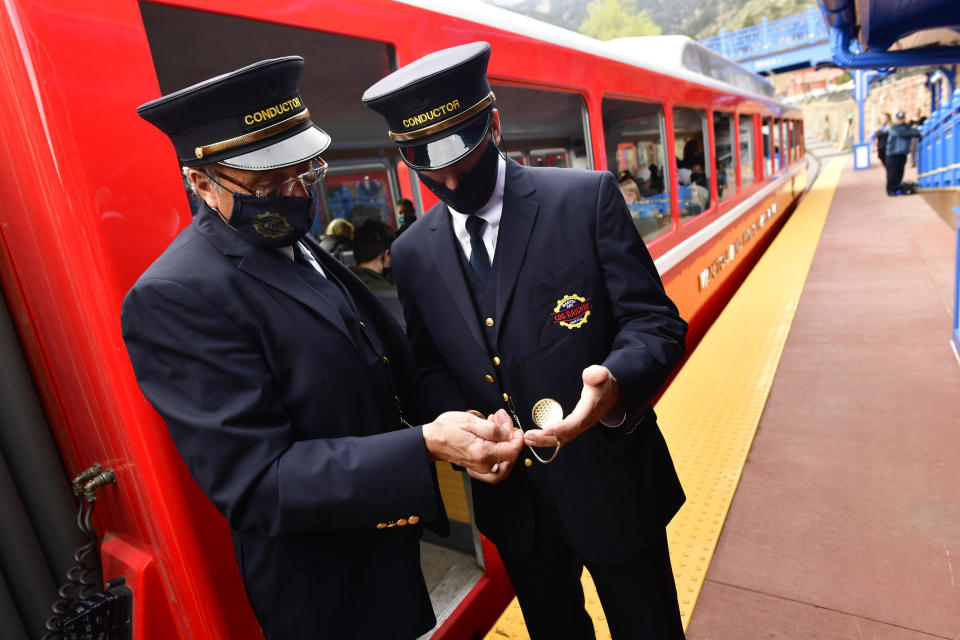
102 616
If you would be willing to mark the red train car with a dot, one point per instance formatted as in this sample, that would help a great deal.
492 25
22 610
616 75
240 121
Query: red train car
89 197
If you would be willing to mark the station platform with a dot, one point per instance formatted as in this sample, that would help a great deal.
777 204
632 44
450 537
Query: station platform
816 430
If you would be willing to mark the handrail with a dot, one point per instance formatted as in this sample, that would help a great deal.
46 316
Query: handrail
939 151
770 36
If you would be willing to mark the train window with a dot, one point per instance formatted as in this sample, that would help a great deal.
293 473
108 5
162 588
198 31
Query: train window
788 141
747 153
777 146
358 192
517 156
793 140
549 158
360 148
549 127
634 132
767 147
725 161
693 172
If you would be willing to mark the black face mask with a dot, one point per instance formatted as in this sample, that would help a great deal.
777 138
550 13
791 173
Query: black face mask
474 189
274 221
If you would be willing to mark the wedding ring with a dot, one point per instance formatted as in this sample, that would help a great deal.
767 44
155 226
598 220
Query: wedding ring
474 412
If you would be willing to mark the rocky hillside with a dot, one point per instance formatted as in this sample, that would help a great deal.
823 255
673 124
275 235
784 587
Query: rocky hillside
694 18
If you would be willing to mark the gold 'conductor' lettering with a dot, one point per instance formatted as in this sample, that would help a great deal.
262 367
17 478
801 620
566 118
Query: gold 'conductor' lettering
431 114
269 113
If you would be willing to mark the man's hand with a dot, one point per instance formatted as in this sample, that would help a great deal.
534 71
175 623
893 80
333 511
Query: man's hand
471 442
600 394
502 469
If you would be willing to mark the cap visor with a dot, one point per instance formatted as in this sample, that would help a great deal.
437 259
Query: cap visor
448 149
303 146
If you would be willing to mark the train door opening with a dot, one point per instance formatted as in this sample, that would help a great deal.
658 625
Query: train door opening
362 184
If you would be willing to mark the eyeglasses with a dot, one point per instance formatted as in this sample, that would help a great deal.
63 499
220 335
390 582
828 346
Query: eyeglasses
306 179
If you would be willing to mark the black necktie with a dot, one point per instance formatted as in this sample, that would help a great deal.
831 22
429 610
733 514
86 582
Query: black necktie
479 259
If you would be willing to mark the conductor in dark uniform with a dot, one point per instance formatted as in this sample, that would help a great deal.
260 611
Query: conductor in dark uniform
526 286
288 390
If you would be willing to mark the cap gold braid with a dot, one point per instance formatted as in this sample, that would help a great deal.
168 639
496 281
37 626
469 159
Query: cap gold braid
253 136
444 124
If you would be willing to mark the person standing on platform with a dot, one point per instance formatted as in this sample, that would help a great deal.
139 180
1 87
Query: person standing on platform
529 289
916 123
284 384
881 135
898 146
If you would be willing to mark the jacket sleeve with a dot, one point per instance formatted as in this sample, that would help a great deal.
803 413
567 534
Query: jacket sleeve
650 339
211 382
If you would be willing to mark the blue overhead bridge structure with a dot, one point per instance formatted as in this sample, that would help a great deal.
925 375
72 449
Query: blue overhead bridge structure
774 46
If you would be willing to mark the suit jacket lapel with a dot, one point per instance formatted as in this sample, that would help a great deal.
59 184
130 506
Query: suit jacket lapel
516 224
267 266
443 248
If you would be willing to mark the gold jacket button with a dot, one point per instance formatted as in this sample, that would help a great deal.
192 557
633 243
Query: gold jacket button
527 462
402 522
391 525
496 361
489 378
413 519
386 360
506 398
381 525
488 322
362 325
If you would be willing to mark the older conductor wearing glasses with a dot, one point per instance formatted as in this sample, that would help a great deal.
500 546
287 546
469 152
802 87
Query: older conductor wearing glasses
288 390
529 290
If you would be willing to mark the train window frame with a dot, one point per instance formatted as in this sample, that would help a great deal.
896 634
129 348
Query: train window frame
766 121
706 132
499 83
660 109
751 119
518 153
788 129
734 153
372 165
547 151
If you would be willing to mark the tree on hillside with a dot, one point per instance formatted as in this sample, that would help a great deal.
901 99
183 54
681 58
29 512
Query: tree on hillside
608 19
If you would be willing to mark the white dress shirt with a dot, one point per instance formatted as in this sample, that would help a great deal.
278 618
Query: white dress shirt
490 212
288 251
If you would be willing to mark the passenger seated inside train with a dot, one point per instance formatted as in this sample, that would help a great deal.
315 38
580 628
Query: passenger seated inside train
657 183
646 211
371 252
643 178
694 198
338 238
628 187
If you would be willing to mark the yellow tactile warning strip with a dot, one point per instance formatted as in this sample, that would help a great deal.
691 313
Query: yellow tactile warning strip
710 412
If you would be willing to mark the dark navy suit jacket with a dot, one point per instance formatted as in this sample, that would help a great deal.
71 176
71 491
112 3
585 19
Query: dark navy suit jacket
563 232
274 407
